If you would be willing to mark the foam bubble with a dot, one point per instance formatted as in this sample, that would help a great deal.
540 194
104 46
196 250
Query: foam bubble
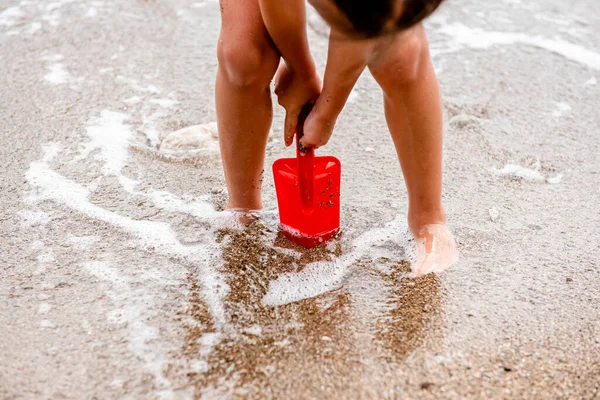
44 308
34 27
47 324
555 179
255 330
494 214
57 74
562 109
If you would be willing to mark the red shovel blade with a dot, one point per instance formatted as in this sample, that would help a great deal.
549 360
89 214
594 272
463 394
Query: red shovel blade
308 194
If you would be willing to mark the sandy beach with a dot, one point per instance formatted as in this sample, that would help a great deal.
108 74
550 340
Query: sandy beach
121 276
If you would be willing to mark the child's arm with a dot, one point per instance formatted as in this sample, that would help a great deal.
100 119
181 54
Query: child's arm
286 24
346 60
296 82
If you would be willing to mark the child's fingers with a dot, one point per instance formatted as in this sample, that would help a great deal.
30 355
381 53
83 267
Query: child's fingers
316 132
291 120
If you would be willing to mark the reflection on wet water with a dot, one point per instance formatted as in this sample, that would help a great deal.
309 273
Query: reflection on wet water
328 346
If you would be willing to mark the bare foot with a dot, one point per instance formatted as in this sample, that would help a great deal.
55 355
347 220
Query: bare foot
243 216
436 250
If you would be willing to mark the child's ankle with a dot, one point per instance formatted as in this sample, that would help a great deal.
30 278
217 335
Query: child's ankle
417 220
244 205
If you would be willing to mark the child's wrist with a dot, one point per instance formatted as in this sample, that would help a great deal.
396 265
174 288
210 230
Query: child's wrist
305 70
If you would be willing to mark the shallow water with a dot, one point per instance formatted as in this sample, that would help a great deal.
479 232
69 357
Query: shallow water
126 280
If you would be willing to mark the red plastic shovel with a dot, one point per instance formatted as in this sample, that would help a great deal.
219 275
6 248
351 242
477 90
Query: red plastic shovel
308 193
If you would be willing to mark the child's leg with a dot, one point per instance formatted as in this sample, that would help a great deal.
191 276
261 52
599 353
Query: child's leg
413 111
247 62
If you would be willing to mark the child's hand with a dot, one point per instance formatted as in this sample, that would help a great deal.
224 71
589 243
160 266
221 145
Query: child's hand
318 128
293 92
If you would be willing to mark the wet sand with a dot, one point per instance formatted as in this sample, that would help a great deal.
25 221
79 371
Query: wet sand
120 277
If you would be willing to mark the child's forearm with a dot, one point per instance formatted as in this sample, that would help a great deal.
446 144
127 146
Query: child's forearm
346 60
287 27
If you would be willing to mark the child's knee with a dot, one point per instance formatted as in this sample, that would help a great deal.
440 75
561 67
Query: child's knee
246 63
399 64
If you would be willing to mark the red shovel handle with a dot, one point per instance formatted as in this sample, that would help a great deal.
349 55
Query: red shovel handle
306 163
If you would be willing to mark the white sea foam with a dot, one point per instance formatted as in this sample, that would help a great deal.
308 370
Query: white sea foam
475 38
132 100
133 309
591 82
555 179
518 171
54 187
255 330
204 3
353 97
47 324
109 134
150 127
562 109
165 103
199 208
57 74
320 277
11 16
152 236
